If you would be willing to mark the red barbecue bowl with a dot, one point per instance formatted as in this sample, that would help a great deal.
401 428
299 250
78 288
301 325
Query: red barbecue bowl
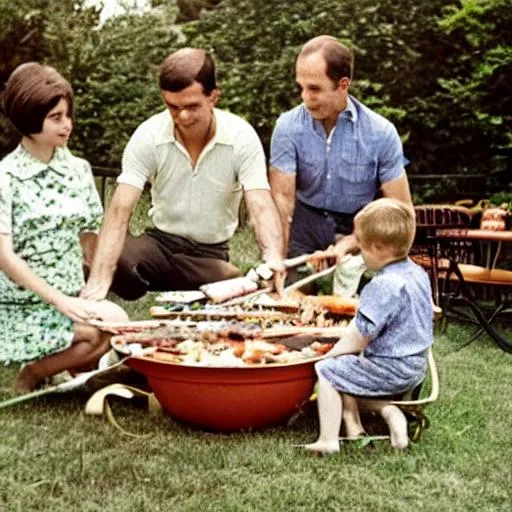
229 399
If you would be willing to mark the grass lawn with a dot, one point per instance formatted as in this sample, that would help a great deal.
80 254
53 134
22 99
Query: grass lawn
53 457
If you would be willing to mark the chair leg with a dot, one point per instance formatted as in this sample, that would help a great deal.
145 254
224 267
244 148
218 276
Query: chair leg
502 342
444 324
440 324
466 297
417 421
470 340
480 331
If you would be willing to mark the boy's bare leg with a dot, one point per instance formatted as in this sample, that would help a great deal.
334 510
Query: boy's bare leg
329 415
395 420
397 423
353 426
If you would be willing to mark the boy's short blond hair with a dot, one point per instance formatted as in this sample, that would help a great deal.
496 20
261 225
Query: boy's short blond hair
387 222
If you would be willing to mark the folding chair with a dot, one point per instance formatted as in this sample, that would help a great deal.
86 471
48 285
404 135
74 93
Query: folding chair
462 277
425 249
452 253
411 403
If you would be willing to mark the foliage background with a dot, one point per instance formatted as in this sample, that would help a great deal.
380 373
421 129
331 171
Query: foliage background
441 70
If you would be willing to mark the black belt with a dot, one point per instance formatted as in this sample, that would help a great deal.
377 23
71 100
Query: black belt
329 213
344 221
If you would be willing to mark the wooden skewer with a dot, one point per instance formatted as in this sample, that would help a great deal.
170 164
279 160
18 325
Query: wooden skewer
309 279
315 276
280 332
245 298
212 314
298 260
288 263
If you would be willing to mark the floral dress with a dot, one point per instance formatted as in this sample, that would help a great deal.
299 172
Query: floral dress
44 207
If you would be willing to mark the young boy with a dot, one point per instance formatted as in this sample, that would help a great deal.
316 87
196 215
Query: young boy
392 328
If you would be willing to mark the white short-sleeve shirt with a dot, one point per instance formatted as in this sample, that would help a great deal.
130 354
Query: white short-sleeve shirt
202 202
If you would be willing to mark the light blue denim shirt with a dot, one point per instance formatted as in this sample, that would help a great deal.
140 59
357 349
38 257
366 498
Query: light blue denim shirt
395 310
340 172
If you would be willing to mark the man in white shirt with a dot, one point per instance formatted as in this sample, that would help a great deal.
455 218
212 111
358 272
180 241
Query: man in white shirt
200 161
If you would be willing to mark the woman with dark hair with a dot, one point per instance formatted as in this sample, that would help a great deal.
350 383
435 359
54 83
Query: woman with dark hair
49 215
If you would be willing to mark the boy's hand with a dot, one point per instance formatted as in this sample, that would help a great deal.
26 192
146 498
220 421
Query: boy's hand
346 245
323 259
350 342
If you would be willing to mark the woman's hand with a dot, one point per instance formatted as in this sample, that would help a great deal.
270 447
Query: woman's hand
77 309
17 269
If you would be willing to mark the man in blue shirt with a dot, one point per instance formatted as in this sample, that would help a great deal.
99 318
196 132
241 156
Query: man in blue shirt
331 154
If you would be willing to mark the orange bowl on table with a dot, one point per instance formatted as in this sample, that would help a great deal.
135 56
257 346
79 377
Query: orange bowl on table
229 399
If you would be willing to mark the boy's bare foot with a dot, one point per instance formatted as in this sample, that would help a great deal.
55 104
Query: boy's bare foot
353 429
26 381
322 447
354 435
397 424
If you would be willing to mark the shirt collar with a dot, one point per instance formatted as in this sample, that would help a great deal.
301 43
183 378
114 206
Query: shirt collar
27 166
395 265
221 135
350 113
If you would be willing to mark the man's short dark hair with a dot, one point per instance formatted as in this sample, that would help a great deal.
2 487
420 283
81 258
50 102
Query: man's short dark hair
339 58
31 91
186 66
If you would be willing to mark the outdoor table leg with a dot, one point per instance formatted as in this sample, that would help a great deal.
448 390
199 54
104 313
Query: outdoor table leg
498 249
467 297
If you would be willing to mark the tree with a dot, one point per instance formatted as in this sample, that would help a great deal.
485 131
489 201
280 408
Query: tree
256 43
479 89
46 31
116 84
439 69
190 10
112 68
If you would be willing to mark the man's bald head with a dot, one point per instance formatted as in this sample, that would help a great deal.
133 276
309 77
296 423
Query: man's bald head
186 66
339 59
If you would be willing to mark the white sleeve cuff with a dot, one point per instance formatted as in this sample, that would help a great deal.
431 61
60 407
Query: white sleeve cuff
130 179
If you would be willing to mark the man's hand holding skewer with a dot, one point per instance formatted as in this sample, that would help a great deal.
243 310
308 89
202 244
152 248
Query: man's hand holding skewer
273 269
